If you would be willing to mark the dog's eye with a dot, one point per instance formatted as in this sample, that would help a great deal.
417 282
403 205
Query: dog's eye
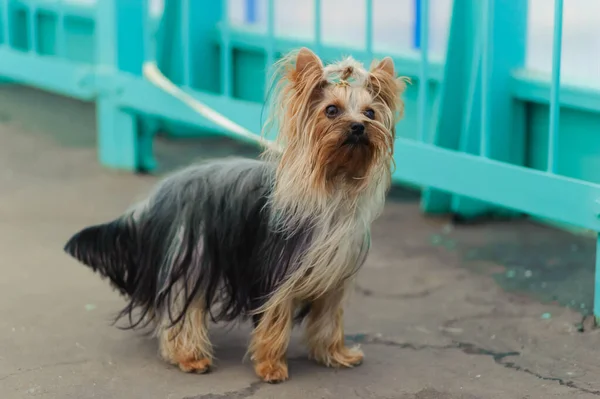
331 111
370 113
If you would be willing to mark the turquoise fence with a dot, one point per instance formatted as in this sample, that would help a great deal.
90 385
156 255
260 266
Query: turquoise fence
482 134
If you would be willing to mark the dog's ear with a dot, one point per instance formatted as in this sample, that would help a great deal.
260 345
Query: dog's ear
386 65
109 249
388 88
306 61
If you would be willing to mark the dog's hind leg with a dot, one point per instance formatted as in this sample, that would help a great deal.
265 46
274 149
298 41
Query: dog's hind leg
186 344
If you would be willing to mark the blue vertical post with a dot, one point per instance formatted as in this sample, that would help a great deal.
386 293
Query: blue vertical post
251 11
555 88
119 27
417 32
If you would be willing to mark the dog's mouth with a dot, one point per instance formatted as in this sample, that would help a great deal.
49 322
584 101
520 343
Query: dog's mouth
356 141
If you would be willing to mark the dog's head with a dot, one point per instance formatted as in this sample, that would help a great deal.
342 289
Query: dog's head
337 122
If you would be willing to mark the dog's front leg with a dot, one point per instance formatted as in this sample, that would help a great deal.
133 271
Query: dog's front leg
270 340
325 333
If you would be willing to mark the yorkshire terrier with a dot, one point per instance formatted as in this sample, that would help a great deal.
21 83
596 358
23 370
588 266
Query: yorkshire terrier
277 240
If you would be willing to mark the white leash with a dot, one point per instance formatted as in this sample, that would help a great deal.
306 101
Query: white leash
155 76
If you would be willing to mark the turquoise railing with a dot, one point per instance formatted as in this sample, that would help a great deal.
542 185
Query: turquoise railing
482 134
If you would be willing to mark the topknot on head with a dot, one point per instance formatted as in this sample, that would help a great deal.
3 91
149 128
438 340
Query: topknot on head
347 72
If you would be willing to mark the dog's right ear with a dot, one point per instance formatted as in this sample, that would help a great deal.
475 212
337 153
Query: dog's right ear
109 249
306 61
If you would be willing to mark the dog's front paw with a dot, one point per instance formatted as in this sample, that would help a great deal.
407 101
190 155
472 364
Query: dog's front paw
340 357
200 366
272 372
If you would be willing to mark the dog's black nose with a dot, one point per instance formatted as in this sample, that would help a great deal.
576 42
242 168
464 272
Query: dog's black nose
357 128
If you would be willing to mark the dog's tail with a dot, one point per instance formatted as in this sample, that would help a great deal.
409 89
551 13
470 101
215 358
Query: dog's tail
130 252
111 250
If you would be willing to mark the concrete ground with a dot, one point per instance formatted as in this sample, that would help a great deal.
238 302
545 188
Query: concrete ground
442 311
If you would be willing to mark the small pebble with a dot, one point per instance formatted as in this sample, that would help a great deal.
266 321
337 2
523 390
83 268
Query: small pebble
528 273
546 316
510 274
90 307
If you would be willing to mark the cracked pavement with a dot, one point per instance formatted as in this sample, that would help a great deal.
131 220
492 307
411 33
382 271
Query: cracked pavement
433 309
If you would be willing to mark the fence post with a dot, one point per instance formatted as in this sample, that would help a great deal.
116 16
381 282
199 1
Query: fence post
204 55
505 118
457 70
120 47
459 125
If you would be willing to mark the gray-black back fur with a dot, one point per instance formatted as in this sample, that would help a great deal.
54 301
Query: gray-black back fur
207 226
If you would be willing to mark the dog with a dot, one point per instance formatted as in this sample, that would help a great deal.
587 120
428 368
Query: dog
277 240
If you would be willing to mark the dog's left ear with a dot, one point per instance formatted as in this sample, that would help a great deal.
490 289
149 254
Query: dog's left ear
307 60
386 65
